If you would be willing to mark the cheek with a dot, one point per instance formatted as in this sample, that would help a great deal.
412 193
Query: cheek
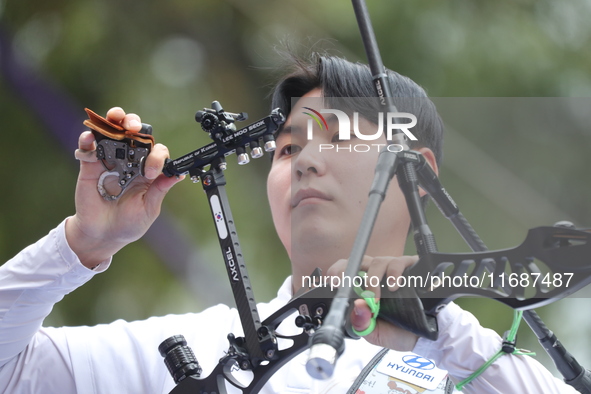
279 195
394 206
356 173
278 183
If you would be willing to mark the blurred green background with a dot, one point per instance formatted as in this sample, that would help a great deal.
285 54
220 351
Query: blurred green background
511 164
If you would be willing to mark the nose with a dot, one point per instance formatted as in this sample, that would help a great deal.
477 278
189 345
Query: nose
310 161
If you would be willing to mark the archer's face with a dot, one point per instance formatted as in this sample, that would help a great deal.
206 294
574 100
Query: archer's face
318 195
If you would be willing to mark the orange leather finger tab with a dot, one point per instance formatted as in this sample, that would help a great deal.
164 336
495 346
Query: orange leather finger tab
102 128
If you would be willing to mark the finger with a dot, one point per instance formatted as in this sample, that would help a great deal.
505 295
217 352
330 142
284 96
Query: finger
337 268
375 274
86 141
132 122
366 263
360 315
158 190
341 265
86 153
155 161
397 268
86 148
115 115
88 156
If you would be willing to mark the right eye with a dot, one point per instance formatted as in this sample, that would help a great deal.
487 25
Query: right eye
289 150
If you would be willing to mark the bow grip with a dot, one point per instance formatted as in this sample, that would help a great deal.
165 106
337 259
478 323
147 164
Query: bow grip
404 309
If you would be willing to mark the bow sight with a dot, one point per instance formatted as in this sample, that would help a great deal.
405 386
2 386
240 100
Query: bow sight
220 126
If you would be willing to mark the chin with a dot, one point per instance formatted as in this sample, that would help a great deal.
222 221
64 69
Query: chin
317 249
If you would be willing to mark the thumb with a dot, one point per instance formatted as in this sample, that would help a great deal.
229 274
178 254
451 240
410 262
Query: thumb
90 168
159 188
361 315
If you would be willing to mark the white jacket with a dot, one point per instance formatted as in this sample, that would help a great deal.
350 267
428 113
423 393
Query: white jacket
122 357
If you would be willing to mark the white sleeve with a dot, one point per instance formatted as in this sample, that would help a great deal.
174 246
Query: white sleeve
121 357
464 346
30 284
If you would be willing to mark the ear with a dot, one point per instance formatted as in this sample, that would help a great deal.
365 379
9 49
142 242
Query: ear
430 157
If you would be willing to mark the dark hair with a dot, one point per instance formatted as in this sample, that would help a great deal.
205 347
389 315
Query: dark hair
338 77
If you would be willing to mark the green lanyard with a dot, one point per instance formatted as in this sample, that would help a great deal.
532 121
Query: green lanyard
508 339
374 306
508 348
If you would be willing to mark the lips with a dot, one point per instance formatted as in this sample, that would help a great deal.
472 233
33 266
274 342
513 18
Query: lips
306 194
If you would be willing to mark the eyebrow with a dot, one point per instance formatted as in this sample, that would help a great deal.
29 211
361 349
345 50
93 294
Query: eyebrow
283 130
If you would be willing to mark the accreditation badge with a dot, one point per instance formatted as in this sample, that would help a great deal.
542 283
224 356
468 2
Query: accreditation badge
401 373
